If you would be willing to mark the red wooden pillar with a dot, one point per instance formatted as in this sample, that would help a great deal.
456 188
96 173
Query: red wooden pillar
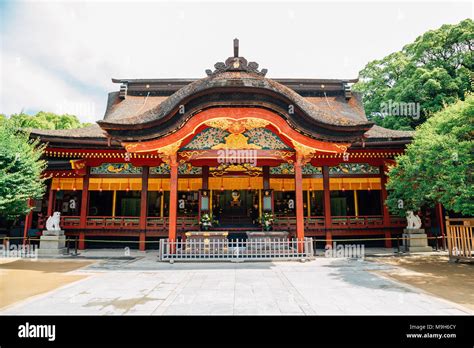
299 198
83 214
385 211
143 208
51 197
266 177
439 213
204 186
28 221
205 177
327 205
173 197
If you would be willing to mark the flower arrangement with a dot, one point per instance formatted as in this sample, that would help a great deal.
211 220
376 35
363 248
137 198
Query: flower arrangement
267 221
206 221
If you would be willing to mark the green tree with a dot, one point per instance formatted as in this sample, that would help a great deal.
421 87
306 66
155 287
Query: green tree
431 72
438 165
46 120
20 171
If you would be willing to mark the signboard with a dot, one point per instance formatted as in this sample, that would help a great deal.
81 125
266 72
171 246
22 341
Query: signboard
204 194
267 200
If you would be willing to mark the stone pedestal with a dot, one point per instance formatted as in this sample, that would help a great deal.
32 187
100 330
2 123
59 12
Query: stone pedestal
264 240
207 236
52 243
415 240
206 242
272 236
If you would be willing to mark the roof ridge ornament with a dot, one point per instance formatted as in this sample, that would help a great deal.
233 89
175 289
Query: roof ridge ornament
236 63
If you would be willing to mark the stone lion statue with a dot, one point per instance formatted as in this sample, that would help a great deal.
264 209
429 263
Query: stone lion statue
52 224
413 221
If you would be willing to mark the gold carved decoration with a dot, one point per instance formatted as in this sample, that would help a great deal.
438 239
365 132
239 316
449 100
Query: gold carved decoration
226 168
284 155
168 153
130 147
236 141
304 152
237 126
220 123
341 147
189 155
251 123
78 164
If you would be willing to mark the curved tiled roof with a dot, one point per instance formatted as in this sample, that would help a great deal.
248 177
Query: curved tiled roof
95 134
320 112
118 108
92 131
377 132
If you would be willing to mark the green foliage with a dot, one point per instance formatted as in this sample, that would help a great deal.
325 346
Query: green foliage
434 71
438 165
46 120
20 170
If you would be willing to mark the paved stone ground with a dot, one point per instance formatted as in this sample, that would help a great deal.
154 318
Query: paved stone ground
141 286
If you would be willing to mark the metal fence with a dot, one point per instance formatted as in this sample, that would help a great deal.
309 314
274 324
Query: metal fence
263 249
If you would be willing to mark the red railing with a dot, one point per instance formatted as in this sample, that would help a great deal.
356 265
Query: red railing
398 221
65 222
338 222
283 222
186 223
113 222
357 221
314 222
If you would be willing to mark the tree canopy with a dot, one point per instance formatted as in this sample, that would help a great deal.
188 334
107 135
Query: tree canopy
20 159
20 171
438 165
44 120
430 73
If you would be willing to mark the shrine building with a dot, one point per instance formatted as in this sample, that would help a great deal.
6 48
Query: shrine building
233 145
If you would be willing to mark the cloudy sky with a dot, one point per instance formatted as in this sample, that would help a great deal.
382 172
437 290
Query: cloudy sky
60 56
